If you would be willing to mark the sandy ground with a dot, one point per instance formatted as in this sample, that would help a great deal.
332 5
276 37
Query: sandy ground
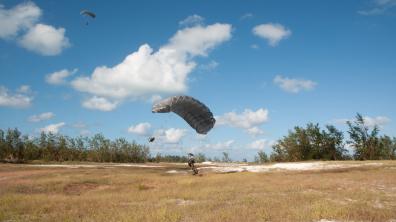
227 167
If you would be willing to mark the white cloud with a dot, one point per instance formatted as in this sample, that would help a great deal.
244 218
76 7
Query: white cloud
217 146
379 7
53 128
224 145
209 66
17 100
18 18
246 120
145 73
261 144
58 77
21 23
45 40
192 20
379 121
255 131
99 103
85 132
272 32
201 137
171 135
247 16
141 129
25 89
294 85
82 128
41 117
155 98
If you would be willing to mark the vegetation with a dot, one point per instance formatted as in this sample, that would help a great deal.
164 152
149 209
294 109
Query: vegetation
313 143
310 143
100 193
367 144
302 143
55 147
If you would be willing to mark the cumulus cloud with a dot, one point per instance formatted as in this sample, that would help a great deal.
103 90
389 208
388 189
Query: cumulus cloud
209 66
41 117
145 73
272 32
58 77
14 100
45 40
248 120
221 145
99 103
141 129
53 128
378 7
18 18
82 128
255 131
379 121
40 38
261 144
24 89
216 146
192 20
172 135
294 85
155 98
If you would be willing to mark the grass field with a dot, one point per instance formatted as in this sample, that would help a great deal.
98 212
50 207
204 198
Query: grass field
121 193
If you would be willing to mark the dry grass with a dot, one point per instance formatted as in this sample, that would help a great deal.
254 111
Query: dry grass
147 194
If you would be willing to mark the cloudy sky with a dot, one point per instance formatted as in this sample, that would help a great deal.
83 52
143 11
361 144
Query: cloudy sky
261 67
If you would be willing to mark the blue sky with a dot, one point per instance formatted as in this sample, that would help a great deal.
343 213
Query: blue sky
262 67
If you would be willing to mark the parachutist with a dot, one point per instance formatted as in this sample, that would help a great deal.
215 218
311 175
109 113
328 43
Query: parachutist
191 163
151 139
88 14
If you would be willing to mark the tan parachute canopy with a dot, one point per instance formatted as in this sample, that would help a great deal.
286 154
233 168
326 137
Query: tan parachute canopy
195 113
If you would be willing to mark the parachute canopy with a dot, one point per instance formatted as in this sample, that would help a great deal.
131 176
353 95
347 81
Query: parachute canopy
88 13
195 113
151 139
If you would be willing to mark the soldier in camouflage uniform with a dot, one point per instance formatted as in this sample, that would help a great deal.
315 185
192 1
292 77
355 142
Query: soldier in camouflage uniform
191 163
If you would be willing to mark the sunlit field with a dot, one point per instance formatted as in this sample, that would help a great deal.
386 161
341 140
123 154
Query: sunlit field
168 192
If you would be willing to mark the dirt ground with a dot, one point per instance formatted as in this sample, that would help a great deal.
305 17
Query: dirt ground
309 191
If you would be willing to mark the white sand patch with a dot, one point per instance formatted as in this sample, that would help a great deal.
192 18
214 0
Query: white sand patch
229 168
176 172
208 163
76 166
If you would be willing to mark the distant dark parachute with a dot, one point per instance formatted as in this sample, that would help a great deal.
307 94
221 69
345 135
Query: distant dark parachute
87 13
195 113
151 139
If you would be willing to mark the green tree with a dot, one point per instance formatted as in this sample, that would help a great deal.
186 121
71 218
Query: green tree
364 141
262 157
226 158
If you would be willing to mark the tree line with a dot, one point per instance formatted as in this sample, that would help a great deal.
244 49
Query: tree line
313 143
301 143
15 147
